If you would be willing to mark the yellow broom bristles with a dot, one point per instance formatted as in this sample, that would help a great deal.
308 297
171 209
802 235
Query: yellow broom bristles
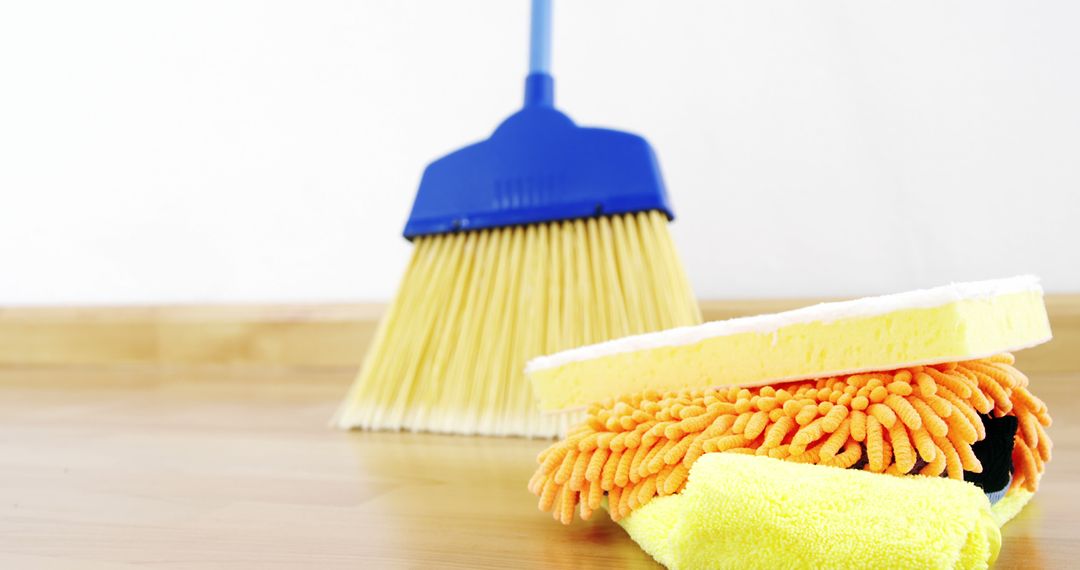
919 420
473 307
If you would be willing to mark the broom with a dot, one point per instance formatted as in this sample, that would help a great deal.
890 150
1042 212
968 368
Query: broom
544 237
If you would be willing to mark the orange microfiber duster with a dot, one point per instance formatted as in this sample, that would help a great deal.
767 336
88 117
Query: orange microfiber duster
915 420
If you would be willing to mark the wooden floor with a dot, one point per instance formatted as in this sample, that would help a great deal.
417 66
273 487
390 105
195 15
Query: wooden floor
235 468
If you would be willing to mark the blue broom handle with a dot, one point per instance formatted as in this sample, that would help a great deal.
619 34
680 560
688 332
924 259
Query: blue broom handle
539 85
540 37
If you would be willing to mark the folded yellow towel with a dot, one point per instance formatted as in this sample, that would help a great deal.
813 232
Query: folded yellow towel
745 511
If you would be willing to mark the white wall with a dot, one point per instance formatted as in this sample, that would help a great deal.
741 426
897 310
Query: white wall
269 151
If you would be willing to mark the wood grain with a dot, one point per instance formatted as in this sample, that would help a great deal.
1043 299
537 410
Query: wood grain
295 335
234 467
317 335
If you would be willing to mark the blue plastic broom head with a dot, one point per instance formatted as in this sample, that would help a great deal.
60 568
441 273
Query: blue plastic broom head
538 166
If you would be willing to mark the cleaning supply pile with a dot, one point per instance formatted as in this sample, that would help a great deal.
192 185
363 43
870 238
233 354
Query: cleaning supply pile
919 387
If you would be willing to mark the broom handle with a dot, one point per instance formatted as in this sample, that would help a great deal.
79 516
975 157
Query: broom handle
539 86
540 44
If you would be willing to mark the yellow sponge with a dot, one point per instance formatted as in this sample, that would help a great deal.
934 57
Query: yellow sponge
956 322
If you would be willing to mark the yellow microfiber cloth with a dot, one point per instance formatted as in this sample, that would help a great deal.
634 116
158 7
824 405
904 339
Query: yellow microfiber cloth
743 511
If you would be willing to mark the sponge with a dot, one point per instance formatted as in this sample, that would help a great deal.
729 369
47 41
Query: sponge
956 322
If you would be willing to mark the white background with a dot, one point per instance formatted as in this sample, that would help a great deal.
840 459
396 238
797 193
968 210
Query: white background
225 151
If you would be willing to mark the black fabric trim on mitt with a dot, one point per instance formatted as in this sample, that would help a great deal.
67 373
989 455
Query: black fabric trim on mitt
995 454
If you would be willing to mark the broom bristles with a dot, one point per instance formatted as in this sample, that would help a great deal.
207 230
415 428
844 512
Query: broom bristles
473 307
